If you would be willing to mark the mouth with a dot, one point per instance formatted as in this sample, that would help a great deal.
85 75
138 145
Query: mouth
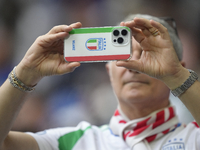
135 81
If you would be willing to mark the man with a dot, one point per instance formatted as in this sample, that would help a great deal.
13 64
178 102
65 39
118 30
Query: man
144 119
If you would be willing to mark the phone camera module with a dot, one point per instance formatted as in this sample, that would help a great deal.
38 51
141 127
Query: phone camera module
124 32
115 32
120 36
120 40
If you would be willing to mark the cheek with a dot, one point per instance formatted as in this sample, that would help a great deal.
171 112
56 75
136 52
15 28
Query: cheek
116 81
116 84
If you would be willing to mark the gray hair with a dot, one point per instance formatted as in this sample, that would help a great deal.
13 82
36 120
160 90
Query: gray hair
172 32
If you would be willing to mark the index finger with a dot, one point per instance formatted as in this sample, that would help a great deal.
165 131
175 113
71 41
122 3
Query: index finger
76 25
64 28
144 25
60 28
161 28
143 22
149 24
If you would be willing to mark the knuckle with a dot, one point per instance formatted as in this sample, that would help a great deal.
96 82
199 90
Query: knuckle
39 38
165 29
55 27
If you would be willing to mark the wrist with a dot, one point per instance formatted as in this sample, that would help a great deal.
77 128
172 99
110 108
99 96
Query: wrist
186 85
177 79
26 75
18 83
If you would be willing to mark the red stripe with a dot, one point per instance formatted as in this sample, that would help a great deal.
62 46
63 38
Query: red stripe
98 58
122 121
151 138
138 131
125 135
171 113
141 124
92 47
166 131
160 119
116 113
140 127
195 124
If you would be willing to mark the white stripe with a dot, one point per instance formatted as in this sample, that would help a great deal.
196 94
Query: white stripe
166 114
152 119
92 44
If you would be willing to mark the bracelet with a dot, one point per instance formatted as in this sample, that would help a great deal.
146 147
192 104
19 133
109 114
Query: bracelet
191 79
17 83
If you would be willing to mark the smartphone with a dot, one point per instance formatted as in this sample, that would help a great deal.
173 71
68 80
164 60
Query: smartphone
98 44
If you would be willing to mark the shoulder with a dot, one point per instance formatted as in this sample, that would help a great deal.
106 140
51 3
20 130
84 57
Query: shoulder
62 131
184 136
80 128
56 138
190 130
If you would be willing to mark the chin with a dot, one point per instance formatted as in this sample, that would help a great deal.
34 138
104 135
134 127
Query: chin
135 96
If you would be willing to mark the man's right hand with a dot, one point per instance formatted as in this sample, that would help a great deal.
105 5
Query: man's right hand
45 56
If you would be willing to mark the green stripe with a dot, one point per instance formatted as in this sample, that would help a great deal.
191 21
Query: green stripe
90 30
94 30
92 41
67 141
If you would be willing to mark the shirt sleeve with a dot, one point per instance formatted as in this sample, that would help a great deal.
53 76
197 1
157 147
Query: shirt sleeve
49 139
46 140
193 136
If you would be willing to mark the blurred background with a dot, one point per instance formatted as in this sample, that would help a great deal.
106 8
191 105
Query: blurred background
86 93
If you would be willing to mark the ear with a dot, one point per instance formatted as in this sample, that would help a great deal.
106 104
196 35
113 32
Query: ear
183 63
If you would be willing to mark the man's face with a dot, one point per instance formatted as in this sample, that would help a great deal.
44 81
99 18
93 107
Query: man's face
131 86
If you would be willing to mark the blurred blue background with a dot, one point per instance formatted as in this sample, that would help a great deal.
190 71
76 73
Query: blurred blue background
86 93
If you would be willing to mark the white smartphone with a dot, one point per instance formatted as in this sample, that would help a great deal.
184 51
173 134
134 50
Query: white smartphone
98 44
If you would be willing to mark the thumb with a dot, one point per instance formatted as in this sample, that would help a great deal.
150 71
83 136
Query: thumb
68 67
131 64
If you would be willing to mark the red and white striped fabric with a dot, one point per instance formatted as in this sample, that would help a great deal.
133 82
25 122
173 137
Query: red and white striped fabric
137 132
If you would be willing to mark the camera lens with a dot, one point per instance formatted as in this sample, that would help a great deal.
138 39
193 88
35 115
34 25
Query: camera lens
120 40
116 33
124 32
